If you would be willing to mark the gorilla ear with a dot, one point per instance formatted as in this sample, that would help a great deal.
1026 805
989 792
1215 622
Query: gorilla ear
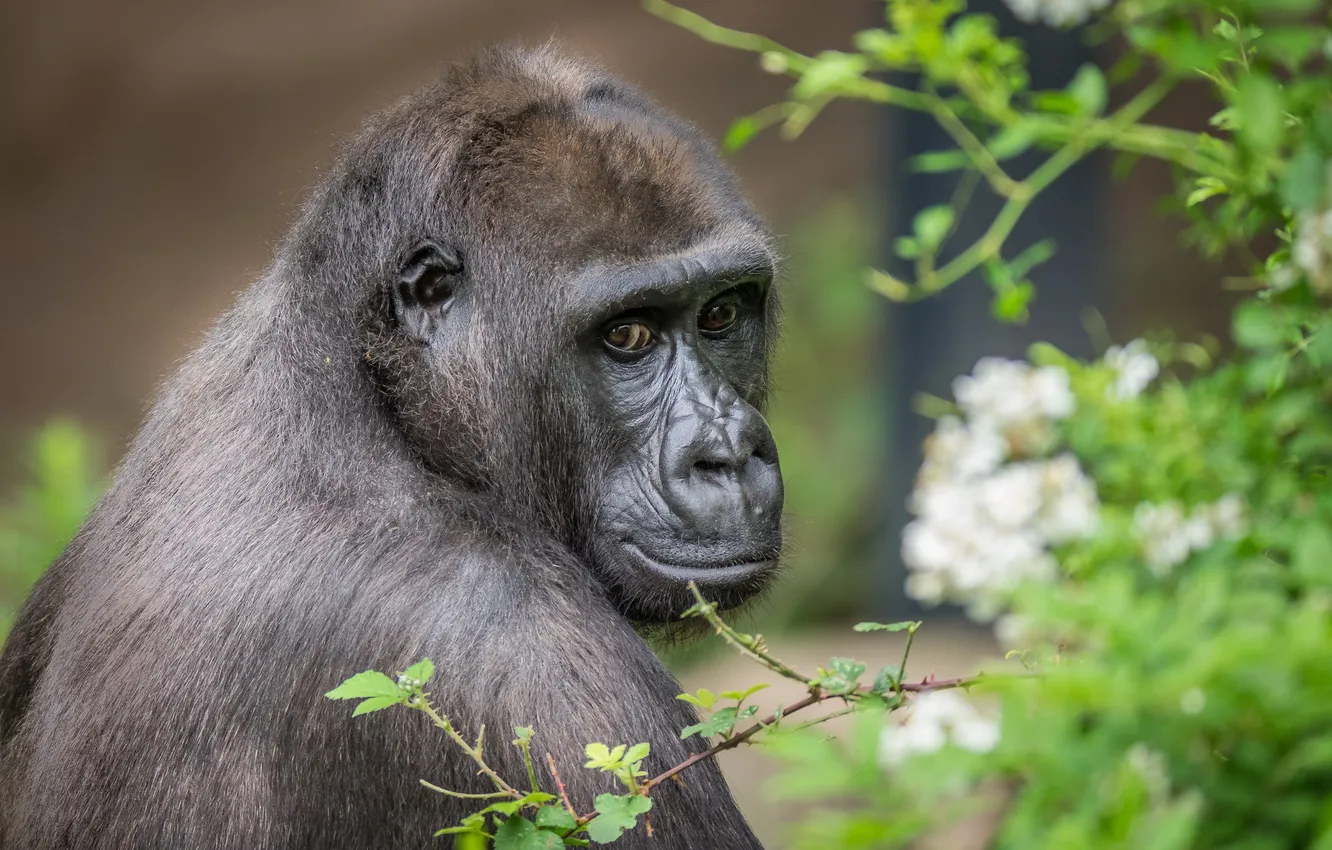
425 285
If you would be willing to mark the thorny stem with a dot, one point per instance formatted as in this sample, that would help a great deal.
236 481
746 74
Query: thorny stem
751 647
906 653
490 795
816 696
442 721
526 746
559 783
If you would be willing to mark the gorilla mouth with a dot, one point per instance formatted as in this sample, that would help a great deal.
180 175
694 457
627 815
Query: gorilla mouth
727 572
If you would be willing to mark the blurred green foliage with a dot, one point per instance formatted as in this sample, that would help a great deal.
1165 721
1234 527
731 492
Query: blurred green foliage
828 414
62 483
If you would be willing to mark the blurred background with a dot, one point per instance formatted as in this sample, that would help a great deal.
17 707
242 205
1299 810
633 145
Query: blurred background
154 152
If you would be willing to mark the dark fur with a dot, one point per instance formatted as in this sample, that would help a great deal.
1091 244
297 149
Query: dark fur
307 500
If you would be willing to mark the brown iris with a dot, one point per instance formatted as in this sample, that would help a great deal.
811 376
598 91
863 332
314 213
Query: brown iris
717 317
628 337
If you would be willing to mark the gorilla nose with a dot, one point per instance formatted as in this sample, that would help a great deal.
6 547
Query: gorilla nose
726 479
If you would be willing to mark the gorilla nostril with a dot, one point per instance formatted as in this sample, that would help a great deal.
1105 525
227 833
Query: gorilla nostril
712 467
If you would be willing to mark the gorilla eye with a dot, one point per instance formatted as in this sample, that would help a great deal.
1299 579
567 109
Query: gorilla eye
629 337
718 316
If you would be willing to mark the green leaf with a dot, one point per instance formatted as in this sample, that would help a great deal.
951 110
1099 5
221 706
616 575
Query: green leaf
1302 183
1292 45
885 627
848 668
422 670
1312 558
508 807
1088 89
1012 303
1261 112
906 247
703 699
1014 139
637 752
721 722
375 704
615 814
1258 325
1059 102
741 131
521 834
887 678
1206 187
1021 265
745 694
938 162
932 224
371 683
829 71
554 817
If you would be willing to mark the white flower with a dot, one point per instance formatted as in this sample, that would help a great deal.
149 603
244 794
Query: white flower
1055 13
1069 507
976 538
934 720
1160 529
1012 495
1009 394
1134 367
1168 537
955 450
1151 767
1228 517
1312 250
1192 701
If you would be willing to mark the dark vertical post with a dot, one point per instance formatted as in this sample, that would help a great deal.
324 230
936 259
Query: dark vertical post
932 341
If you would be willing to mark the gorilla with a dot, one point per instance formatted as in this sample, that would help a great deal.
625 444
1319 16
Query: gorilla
496 402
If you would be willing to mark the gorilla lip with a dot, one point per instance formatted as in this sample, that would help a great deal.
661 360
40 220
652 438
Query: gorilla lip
727 574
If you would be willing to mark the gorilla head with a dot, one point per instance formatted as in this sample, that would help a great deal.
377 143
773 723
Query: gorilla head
577 318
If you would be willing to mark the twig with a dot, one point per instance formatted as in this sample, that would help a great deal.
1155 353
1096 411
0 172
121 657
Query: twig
559 783
443 722
489 795
748 647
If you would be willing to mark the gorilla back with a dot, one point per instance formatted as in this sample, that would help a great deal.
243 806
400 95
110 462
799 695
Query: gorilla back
496 402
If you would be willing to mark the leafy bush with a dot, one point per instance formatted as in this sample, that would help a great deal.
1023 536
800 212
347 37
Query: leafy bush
1150 532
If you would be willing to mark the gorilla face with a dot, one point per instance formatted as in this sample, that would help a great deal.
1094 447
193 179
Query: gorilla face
678 354
590 315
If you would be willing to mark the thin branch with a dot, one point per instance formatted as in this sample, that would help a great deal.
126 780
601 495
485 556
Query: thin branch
489 795
559 783
442 721
751 647
980 155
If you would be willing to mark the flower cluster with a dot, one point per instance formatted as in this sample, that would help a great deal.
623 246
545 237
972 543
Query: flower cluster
982 524
1168 536
1134 366
1055 13
1312 250
934 719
